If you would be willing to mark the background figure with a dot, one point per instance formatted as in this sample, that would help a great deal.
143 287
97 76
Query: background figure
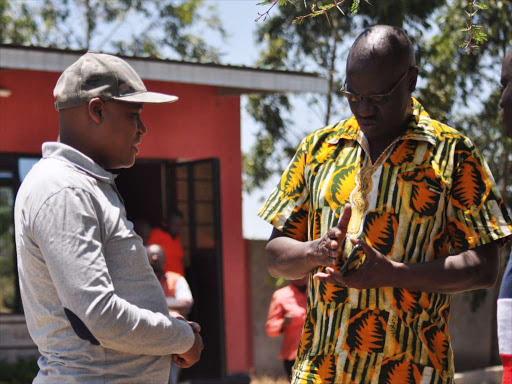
176 289
171 243
505 298
286 316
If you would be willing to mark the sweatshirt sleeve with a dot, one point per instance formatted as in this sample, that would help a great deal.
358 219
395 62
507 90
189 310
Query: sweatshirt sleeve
70 240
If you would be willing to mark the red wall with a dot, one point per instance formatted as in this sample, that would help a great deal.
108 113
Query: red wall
199 125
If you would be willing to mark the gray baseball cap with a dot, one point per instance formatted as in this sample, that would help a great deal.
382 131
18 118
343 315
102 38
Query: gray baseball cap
104 76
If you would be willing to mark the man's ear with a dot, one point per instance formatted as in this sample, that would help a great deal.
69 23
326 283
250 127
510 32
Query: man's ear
414 79
95 108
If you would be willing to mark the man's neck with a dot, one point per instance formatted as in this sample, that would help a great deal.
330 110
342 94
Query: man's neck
378 145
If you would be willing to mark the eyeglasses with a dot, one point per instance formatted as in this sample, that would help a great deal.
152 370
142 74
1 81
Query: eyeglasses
375 99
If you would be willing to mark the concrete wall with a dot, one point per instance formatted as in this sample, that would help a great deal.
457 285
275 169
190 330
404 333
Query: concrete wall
15 341
265 349
473 334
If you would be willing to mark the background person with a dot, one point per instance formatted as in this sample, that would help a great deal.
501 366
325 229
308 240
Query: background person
170 241
286 315
176 290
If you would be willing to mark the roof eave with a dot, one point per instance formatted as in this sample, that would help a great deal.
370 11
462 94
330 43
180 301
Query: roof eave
230 80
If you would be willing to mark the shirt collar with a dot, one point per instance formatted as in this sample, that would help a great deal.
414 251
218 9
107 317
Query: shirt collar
420 127
69 154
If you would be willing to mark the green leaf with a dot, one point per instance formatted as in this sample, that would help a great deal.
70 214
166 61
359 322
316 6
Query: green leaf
355 7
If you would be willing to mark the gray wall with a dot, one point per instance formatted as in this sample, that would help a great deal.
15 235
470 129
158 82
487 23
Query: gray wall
266 350
473 334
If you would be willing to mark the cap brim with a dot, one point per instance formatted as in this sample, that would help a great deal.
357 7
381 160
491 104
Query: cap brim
148 97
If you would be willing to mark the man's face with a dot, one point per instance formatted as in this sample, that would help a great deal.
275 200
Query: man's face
156 257
506 96
174 225
381 121
120 132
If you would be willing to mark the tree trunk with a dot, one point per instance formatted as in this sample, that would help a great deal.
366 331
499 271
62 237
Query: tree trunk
90 20
335 40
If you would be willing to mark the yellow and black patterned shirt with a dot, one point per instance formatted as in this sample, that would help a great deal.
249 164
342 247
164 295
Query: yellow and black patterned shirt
429 195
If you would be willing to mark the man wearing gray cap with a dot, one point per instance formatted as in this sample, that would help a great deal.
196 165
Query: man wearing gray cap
92 303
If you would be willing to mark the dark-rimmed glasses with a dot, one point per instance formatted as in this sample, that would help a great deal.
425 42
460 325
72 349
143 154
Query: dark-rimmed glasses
374 99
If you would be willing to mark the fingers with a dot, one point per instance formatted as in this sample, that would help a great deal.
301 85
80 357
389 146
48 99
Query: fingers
195 326
367 249
337 233
179 361
344 219
330 276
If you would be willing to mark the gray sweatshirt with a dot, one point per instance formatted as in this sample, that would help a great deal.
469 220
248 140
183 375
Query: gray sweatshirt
92 302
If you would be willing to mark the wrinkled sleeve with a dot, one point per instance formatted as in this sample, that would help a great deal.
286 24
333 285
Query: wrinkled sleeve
70 239
476 213
287 206
275 318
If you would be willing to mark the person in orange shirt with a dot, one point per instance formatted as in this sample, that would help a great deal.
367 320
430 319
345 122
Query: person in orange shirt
286 316
170 242
177 293
176 289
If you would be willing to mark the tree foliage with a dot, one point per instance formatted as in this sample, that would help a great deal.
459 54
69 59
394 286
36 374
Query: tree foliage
160 28
463 90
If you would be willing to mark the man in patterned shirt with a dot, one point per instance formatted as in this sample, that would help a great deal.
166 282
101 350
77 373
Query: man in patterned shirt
420 200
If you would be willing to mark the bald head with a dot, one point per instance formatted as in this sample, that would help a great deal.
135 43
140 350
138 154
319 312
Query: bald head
381 44
156 256
381 76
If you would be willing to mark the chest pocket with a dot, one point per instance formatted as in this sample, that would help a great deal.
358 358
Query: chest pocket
421 190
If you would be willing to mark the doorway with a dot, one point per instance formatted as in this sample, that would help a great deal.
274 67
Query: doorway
151 190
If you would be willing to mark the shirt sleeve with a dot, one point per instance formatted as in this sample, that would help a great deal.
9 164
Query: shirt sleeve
288 205
275 318
182 290
476 213
70 239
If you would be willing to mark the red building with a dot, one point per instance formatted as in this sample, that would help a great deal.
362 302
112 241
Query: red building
189 160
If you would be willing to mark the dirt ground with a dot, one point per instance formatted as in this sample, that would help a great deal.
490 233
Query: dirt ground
268 380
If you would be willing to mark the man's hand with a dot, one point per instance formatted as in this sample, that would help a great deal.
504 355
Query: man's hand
326 251
195 326
192 356
375 272
293 259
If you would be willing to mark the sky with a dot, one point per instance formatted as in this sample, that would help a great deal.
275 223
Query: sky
238 18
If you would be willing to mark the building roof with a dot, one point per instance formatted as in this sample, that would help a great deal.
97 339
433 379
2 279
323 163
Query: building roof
230 80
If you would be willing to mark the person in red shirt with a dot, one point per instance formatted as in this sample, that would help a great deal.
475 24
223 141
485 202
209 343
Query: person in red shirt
177 293
171 243
286 316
